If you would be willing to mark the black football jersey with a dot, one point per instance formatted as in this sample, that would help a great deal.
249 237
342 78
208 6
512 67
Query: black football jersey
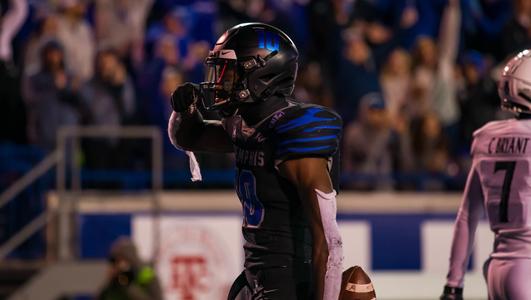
274 225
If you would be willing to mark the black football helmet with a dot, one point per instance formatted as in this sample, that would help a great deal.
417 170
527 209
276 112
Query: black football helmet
249 63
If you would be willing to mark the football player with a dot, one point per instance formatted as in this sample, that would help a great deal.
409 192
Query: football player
284 152
499 183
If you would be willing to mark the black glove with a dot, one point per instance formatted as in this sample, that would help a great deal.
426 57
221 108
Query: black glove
184 96
452 293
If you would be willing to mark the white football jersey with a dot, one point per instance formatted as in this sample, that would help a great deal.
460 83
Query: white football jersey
499 183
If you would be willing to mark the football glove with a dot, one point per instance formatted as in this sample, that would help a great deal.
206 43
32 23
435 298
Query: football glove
452 293
184 96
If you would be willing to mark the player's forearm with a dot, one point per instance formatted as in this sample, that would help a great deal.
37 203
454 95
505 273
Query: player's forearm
319 260
189 132
467 219
327 253
319 245
461 250
184 128
318 198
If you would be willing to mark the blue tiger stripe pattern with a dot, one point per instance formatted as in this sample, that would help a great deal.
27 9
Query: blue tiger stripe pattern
310 131
318 138
307 118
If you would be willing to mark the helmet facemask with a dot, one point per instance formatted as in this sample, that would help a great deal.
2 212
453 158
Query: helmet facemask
515 95
514 87
221 79
227 77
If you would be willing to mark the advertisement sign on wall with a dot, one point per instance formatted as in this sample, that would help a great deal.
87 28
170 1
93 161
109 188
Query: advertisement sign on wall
198 257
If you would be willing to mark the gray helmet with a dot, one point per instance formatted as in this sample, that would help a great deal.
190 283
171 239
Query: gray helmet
514 87
249 63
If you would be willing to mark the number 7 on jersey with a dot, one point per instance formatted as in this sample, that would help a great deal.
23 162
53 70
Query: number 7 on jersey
508 167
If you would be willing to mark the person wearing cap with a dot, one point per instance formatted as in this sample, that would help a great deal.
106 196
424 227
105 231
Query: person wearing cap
372 149
51 97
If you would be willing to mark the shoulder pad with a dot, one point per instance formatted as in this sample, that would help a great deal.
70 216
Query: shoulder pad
307 131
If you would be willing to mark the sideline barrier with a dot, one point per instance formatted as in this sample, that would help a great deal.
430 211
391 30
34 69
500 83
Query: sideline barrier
401 239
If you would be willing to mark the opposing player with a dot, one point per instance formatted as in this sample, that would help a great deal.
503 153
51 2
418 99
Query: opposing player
499 182
284 156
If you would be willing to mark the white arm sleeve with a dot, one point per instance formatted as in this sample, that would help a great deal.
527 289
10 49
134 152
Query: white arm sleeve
334 265
465 227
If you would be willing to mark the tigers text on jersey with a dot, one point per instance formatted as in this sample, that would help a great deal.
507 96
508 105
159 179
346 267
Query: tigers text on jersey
499 183
274 224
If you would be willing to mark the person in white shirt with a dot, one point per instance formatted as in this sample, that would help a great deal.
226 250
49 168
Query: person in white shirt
499 183
77 38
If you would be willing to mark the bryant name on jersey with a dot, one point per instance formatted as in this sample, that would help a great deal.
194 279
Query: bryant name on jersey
508 145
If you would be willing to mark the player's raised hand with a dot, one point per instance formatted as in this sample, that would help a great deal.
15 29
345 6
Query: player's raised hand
452 293
184 96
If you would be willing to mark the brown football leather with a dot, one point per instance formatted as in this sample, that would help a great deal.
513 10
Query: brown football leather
356 285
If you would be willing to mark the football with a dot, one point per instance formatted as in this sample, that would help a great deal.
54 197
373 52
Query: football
356 285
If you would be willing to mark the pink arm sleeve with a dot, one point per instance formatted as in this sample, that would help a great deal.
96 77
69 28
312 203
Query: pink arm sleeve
465 227
11 23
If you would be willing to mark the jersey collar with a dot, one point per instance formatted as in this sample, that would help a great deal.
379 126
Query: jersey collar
254 114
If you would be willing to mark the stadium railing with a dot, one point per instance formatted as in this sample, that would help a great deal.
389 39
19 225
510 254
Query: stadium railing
62 158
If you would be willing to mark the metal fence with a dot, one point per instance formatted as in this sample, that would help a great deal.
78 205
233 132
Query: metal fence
63 158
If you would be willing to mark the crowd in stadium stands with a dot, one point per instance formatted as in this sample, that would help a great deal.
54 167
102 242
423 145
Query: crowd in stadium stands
412 79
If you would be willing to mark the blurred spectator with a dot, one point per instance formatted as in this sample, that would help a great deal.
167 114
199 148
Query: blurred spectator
430 146
357 76
479 97
159 111
372 149
159 107
233 12
435 84
52 97
166 55
109 98
311 86
109 95
516 35
409 18
396 82
193 62
175 24
127 20
77 38
128 277
425 54
483 22
46 30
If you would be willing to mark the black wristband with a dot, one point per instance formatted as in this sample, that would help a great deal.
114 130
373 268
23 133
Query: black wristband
449 290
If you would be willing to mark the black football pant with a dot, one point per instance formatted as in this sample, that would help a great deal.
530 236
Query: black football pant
278 283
